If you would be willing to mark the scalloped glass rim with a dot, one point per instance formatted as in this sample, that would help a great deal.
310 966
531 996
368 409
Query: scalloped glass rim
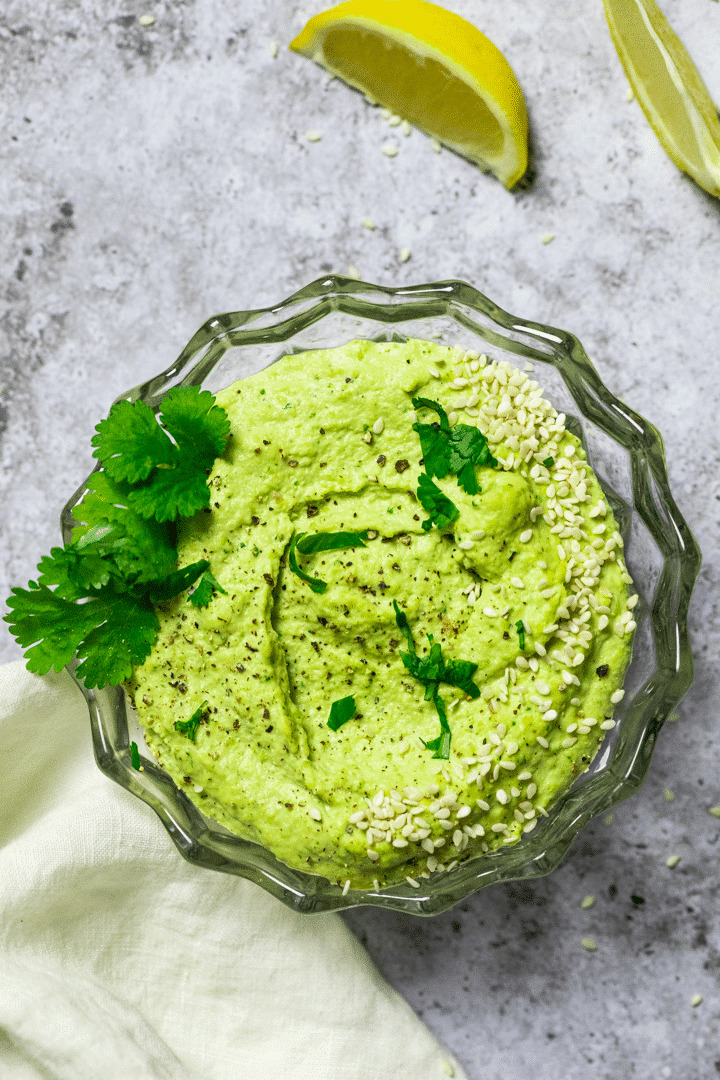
326 312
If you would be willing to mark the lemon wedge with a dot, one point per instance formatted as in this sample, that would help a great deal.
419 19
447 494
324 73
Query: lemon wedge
668 87
431 67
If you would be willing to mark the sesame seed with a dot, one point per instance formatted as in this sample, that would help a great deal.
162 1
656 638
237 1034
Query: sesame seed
273 49
466 545
617 696
672 861
378 426
587 902
525 536
715 811
411 881
353 272
435 145
368 223
696 1000
404 255
389 150
313 136
589 944
543 742
149 20
607 725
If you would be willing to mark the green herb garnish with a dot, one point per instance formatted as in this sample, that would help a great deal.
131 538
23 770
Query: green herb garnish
341 711
548 462
134 755
431 670
454 450
442 510
206 587
520 627
95 596
310 543
189 727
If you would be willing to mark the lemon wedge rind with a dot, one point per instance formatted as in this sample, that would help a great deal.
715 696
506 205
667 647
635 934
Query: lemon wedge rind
668 87
435 40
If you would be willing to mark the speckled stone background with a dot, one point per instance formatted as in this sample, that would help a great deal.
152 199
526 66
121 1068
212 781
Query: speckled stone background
152 176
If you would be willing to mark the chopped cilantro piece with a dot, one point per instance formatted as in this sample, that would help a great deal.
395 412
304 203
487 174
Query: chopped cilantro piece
315 583
308 544
189 727
457 450
312 542
341 711
95 596
432 669
520 627
549 462
134 755
441 743
441 510
206 588
176 582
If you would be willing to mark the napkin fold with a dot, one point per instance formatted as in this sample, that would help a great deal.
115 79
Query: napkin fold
120 961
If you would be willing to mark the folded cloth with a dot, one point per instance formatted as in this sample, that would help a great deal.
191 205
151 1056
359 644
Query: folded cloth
120 960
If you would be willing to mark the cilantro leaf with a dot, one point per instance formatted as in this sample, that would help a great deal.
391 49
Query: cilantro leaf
520 627
341 711
134 755
432 669
125 631
110 633
171 493
312 542
206 587
141 549
548 462
315 583
47 625
308 544
176 582
199 426
189 727
441 510
404 626
130 442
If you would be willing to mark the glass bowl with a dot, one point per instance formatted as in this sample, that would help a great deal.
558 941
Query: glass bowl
627 455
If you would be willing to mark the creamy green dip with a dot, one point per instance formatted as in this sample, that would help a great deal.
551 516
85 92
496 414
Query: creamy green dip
323 442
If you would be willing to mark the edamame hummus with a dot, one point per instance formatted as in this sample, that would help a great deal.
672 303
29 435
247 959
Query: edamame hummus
468 646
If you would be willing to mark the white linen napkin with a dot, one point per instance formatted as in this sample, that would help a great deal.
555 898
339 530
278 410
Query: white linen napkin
119 961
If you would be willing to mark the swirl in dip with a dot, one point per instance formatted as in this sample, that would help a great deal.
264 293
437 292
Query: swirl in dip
527 582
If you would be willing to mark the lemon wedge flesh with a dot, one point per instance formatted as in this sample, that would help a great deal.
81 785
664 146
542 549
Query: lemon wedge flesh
668 87
431 67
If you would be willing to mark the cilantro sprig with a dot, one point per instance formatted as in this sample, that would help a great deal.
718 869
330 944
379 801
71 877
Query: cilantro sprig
206 588
95 597
431 670
310 543
456 451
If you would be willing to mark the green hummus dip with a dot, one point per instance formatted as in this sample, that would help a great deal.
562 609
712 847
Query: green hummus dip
527 582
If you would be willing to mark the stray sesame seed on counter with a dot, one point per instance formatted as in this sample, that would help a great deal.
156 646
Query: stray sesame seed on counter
426 621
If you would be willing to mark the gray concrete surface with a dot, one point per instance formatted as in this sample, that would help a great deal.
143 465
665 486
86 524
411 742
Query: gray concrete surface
152 176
